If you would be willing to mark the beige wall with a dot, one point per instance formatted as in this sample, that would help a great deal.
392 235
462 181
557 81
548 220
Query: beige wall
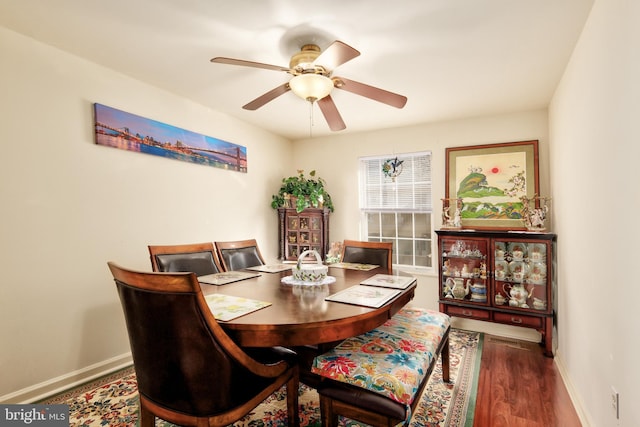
69 206
594 167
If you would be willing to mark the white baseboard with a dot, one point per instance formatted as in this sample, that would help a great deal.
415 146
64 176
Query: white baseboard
584 418
59 384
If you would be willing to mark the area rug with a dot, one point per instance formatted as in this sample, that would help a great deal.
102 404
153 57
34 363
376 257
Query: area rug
113 399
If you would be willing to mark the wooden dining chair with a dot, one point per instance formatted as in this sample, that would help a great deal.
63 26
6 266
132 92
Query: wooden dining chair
239 254
378 253
200 258
189 371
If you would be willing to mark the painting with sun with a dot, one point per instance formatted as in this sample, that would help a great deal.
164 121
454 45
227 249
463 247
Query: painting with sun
491 180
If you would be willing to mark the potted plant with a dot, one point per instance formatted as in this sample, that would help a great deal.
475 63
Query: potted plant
300 192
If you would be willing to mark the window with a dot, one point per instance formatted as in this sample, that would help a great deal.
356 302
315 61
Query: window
398 209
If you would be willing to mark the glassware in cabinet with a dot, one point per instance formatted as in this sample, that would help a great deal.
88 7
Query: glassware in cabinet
537 276
519 270
464 270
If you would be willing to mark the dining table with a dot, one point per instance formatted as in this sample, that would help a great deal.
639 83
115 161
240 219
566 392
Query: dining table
299 314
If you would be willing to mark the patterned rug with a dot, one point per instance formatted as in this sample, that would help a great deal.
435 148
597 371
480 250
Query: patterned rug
113 399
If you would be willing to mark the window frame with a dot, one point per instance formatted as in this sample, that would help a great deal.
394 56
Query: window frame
424 207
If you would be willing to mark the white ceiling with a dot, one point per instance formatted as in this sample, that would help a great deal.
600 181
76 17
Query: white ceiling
451 58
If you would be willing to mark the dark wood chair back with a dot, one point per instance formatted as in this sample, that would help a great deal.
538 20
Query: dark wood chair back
188 370
200 258
378 253
239 254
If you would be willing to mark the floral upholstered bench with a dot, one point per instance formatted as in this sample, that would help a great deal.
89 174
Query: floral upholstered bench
378 377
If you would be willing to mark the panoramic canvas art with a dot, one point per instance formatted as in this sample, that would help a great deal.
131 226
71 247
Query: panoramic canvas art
119 129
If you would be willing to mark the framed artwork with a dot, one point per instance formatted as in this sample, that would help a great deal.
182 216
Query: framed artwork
119 129
490 180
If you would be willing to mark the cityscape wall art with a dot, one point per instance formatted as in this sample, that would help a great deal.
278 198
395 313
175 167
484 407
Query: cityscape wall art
126 131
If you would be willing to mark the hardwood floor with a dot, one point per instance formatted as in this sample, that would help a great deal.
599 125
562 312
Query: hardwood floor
519 386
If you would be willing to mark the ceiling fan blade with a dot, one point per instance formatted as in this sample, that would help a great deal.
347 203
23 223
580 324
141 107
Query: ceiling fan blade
370 92
331 114
269 96
241 62
336 54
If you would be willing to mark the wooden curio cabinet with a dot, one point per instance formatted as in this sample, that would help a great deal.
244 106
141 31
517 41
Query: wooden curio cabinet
301 231
499 276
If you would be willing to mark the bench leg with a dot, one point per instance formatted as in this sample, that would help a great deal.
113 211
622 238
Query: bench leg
327 417
293 386
444 355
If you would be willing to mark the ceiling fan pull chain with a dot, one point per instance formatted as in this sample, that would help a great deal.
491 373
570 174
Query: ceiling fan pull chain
310 119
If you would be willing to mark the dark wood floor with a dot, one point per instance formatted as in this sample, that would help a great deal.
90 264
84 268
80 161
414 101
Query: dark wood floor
519 386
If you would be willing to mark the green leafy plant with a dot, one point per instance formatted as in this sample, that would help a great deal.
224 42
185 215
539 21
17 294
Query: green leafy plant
301 192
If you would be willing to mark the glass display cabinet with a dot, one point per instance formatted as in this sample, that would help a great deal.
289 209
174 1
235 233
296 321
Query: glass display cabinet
499 276
301 231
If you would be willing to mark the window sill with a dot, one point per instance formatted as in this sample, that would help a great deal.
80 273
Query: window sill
417 271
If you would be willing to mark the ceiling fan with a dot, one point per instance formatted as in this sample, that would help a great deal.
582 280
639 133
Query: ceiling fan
313 81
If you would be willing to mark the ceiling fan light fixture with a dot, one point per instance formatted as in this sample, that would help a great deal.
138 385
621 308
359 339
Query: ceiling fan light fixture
311 87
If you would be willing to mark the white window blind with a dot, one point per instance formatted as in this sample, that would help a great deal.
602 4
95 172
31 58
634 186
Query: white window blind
410 191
